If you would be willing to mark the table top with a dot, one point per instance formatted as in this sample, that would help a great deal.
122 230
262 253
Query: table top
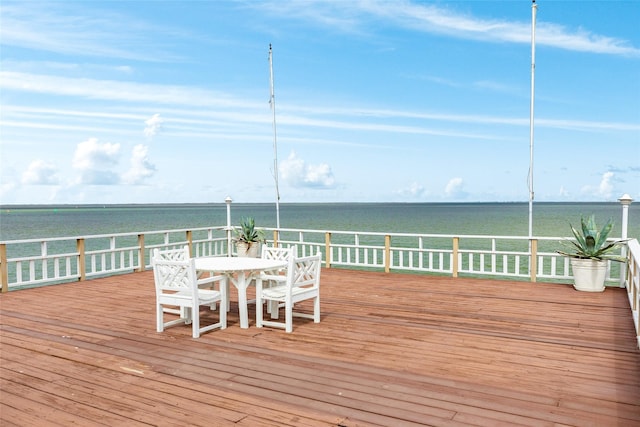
229 264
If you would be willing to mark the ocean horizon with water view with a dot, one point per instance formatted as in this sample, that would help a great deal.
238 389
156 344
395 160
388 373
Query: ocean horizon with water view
40 242
550 219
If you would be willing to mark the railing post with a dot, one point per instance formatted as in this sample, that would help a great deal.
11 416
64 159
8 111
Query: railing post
387 253
4 268
533 243
454 254
82 268
228 201
625 201
275 238
190 242
327 249
141 257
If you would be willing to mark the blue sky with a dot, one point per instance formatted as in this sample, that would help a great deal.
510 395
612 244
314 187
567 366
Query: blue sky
375 101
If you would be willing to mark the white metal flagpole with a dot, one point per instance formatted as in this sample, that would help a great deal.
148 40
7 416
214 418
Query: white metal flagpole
272 102
534 8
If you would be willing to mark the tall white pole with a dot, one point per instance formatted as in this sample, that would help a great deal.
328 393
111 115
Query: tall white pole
272 102
534 8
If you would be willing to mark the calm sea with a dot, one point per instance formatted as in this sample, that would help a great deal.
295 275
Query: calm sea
549 219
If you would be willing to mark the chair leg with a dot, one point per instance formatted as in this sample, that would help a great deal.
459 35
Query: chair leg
259 307
223 303
195 320
316 309
288 316
223 316
159 318
228 298
274 309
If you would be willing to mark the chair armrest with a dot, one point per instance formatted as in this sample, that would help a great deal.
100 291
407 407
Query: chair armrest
276 277
211 279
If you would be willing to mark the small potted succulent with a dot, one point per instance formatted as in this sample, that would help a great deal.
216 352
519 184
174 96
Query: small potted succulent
590 254
248 238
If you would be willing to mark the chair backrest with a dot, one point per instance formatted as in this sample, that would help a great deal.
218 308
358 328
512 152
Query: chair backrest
173 275
304 271
278 253
179 254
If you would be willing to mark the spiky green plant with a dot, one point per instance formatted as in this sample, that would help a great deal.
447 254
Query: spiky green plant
248 232
591 243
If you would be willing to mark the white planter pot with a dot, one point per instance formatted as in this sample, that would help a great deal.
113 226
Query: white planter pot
244 249
589 274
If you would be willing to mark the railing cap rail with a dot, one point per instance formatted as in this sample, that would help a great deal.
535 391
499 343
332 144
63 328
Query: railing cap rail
102 236
398 234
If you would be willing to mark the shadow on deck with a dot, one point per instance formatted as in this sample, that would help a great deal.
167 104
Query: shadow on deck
391 350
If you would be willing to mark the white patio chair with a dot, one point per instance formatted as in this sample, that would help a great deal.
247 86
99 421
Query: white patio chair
302 283
179 254
177 285
279 276
279 254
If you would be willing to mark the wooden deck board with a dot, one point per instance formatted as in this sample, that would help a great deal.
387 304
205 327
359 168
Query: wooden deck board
391 350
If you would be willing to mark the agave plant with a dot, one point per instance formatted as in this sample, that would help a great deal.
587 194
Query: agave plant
591 243
248 232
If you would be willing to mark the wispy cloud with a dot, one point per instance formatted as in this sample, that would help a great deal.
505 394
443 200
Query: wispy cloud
583 41
69 28
225 109
355 17
116 90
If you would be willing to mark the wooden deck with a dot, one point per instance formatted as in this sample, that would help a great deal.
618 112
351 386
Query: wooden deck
391 350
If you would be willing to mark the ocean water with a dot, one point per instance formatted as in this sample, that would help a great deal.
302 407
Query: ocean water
505 219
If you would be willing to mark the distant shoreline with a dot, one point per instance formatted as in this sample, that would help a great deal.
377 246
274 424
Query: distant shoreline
218 204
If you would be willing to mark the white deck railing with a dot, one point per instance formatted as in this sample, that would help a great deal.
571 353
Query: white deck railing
61 259
32 262
632 282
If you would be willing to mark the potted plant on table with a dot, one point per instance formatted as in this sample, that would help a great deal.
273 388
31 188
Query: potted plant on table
248 238
591 253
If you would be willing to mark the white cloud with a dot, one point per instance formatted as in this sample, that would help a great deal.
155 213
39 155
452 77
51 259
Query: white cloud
414 190
40 172
154 124
455 188
297 173
563 193
6 187
141 167
604 189
95 161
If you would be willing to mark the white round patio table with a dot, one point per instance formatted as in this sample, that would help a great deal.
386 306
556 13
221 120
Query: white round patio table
239 271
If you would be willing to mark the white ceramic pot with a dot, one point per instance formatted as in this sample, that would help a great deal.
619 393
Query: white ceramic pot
589 274
244 249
